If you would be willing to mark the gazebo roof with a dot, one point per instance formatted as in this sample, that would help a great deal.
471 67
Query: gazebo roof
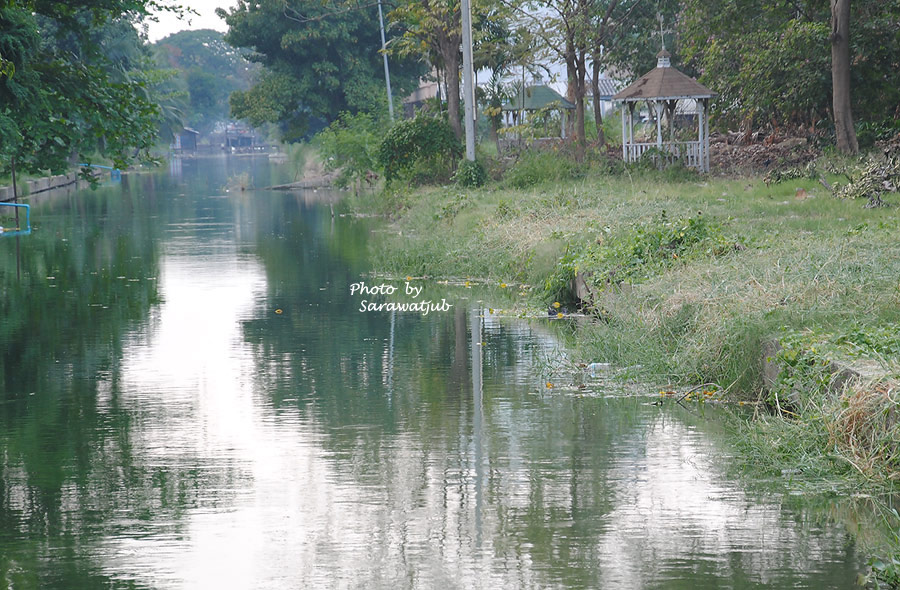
538 97
663 83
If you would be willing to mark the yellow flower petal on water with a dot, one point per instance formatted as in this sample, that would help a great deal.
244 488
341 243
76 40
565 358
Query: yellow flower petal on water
556 304
278 311
467 284
491 310
559 315
408 278
549 385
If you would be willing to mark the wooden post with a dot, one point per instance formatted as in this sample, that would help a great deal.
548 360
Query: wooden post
658 106
631 130
706 135
700 111
624 136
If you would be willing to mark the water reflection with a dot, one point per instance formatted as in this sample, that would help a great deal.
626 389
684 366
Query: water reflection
164 427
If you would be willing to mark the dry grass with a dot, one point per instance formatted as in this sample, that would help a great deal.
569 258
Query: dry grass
865 429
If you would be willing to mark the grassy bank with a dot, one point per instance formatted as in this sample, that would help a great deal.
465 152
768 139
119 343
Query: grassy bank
691 276
697 280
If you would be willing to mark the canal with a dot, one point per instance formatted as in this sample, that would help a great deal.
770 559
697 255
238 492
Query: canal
192 398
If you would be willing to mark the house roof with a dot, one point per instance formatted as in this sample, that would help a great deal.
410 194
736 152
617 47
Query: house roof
663 82
538 97
607 88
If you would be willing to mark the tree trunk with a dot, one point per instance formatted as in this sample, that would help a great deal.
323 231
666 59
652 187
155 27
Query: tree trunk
571 77
494 133
451 77
575 66
840 77
598 112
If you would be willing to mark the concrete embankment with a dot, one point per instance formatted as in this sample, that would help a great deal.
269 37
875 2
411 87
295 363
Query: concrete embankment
39 185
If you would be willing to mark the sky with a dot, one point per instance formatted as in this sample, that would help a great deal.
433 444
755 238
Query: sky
206 19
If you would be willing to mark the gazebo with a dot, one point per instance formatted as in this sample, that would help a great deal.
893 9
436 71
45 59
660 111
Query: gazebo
535 98
662 88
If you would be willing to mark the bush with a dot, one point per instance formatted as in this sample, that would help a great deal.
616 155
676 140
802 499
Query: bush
422 149
470 173
537 166
641 252
350 146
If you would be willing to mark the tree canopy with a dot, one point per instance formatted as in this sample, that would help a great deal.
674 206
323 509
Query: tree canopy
321 59
74 83
771 62
208 71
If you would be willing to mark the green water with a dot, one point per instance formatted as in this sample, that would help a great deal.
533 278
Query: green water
162 425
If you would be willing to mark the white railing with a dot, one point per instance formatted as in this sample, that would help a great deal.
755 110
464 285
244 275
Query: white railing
686 151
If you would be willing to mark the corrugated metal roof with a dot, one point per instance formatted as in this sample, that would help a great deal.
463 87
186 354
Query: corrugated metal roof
538 97
607 87
664 83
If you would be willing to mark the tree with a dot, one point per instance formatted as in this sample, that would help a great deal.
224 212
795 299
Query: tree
77 88
320 60
208 71
771 66
840 77
576 30
433 33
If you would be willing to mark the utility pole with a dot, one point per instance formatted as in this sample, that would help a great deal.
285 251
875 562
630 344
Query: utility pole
468 78
387 72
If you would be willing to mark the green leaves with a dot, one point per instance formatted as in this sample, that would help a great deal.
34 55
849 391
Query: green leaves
350 145
420 141
320 61
771 62
77 90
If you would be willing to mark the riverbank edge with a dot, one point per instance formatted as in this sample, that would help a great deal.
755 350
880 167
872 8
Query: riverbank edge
489 234
40 185
452 232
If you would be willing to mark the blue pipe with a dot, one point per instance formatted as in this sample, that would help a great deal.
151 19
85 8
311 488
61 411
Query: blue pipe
27 229
97 166
114 173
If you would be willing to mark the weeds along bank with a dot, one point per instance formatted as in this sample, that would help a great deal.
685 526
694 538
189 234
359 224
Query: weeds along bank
689 277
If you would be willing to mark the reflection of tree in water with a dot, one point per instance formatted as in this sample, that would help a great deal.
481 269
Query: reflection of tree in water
69 470
87 275
539 488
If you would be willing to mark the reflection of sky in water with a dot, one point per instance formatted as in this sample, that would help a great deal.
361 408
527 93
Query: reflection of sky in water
399 511
247 471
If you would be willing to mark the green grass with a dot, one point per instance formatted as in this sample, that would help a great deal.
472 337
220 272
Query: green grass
812 262
784 262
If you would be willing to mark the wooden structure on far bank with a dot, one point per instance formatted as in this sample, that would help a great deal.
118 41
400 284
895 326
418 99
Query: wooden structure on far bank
662 88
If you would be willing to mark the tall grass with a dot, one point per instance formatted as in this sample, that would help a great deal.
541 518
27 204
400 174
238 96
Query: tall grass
817 261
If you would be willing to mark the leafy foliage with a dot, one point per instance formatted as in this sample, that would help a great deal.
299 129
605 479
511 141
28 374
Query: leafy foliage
423 142
319 62
470 173
771 62
208 70
640 252
536 166
78 87
350 145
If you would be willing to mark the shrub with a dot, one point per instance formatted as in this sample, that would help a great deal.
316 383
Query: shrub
470 173
422 149
641 252
537 166
349 145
